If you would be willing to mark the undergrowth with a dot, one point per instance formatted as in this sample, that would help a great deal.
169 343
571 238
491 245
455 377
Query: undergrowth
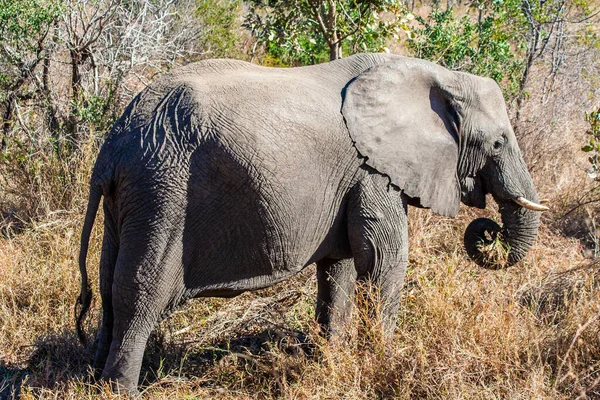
530 331
463 332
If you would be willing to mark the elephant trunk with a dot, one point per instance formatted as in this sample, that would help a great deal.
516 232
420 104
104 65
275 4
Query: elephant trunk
494 247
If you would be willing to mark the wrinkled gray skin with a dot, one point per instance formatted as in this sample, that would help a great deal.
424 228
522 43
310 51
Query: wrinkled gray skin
224 176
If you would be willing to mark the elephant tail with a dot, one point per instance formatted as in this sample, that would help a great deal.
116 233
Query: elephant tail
85 297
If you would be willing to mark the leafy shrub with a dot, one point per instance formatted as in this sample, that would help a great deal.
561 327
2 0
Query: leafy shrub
310 32
482 47
593 144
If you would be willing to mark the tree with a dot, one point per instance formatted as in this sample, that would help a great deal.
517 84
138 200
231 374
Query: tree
113 39
502 39
307 31
68 67
480 45
541 26
24 30
103 43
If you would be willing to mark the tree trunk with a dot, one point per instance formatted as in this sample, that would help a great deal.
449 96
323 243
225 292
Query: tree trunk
6 123
335 44
76 94
335 51
76 60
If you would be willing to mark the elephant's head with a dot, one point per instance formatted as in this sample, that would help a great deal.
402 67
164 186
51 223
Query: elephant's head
445 137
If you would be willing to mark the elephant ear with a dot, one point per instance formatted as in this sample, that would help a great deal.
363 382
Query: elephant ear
403 121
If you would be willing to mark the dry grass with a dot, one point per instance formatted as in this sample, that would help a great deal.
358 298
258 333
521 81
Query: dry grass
531 331
527 332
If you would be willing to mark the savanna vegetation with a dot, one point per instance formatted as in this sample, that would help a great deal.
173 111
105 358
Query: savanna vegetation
69 67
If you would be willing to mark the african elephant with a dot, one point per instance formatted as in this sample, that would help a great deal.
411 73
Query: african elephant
224 176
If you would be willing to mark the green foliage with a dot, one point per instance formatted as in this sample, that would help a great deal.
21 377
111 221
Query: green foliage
593 144
286 31
24 25
24 22
309 32
482 46
220 16
502 39
95 112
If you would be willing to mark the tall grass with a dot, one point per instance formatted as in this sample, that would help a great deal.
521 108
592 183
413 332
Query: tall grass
526 332
531 331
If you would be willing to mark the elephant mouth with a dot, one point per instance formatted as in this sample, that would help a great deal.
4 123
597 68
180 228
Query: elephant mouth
473 192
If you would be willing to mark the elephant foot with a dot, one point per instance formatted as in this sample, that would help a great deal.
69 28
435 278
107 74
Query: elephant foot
124 391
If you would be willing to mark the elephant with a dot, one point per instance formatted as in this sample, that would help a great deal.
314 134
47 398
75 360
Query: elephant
223 176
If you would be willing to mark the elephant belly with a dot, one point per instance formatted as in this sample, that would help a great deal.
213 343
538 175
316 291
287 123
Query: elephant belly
246 229
226 256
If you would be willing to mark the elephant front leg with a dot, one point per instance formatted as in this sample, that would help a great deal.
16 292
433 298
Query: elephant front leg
335 279
378 233
386 292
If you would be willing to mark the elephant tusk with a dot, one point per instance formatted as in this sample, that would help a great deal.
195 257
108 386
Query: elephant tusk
530 205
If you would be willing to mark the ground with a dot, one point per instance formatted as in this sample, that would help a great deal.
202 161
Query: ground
530 331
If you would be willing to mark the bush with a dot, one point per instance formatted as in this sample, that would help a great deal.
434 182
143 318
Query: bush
482 47
593 144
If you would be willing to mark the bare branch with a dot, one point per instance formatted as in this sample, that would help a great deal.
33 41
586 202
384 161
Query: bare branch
317 16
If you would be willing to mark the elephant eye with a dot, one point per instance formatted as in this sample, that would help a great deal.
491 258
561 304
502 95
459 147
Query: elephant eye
498 144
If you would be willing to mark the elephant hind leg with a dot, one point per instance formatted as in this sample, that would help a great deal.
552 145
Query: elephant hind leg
145 287
335 279
108 259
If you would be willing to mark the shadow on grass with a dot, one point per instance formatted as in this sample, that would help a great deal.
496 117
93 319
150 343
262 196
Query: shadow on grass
49 361
552 296
11 379
196 359
55 360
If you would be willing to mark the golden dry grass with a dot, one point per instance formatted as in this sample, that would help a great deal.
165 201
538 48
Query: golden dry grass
527 332
531 331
